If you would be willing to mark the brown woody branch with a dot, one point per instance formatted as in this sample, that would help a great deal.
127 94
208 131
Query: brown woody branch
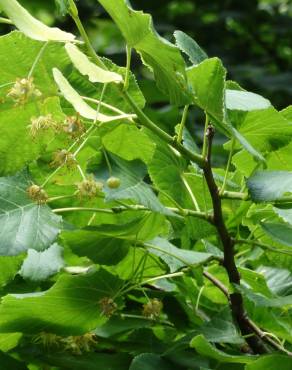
235 298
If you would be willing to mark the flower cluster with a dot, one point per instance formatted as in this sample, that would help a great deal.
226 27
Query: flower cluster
73 126
42 123
23 90
63 158
153 308
89 188
74 344
107 306
37 194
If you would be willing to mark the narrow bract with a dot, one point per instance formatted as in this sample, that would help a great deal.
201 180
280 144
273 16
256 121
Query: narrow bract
30 26
72 96
87 68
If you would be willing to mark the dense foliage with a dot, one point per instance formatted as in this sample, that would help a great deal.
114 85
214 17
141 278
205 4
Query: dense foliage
126 241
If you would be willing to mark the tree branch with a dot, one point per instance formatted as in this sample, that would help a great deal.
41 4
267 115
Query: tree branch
236 299
261 334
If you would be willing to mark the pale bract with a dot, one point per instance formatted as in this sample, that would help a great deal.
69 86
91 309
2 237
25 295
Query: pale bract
87 68
85 110
30 26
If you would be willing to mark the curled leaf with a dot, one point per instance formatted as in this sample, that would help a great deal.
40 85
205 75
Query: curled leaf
30 26
86 67
85 110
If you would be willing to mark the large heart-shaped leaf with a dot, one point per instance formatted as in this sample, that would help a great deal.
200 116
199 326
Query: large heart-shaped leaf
71 306
24 224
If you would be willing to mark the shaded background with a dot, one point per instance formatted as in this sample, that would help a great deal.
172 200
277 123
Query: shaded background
252 37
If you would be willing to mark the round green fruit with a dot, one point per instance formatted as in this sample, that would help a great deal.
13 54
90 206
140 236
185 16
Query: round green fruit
113 182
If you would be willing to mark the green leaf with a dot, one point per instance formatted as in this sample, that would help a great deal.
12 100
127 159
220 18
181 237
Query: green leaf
16 47
30 26
8 363
24 224
9 267
88 361
39 266
142 227
174 257
247 146
16 145
271 362
278 280
207 80
204 348
267 186
87 68
17 148
265 129
70 307
261 301
130 143
245 101
280 232
9 341
220 329
190 47
170 179
255 280
117 325
101 250
160 55
150 361
138 263
62 7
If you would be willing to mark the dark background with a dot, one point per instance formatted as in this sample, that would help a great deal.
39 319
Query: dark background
253 37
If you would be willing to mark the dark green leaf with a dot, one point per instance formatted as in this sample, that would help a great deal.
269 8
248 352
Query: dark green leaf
24 223
160 55
70 307
267 186
271 362
190 47
204 348
150 361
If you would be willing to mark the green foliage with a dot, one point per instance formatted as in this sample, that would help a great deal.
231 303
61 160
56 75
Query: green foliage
128 242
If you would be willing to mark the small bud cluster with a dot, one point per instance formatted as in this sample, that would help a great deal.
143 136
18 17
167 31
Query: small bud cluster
63 158
153 308
42 123
107 306
23 90
89 188
37 194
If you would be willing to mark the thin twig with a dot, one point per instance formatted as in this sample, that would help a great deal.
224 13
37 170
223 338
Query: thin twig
217 283
262 245
181 212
